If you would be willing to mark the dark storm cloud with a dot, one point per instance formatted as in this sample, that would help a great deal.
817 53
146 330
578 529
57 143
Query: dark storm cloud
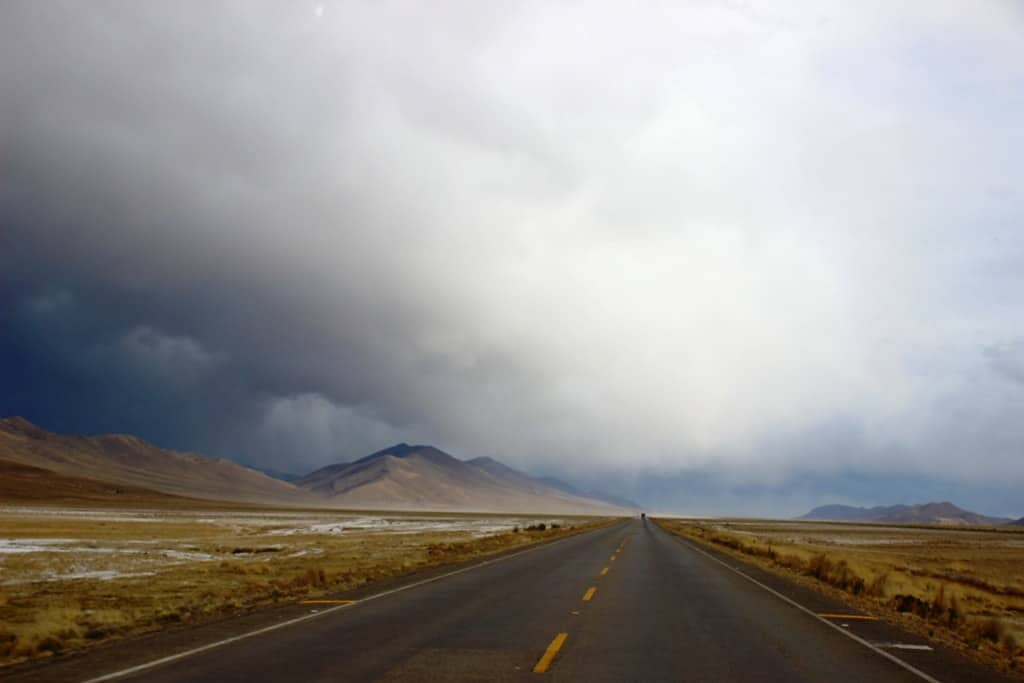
184 193
709 242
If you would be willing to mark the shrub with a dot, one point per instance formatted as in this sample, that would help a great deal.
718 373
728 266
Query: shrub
939 603
314 577
838 574
910 604
49 644
792 562
819 567
953 614
989 629
7 642
877 586
846 579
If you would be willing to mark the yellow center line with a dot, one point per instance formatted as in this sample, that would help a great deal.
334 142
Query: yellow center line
326 602
589 594
604 571
613 558
549 654
861 617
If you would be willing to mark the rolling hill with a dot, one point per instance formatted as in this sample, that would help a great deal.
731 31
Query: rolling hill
926 513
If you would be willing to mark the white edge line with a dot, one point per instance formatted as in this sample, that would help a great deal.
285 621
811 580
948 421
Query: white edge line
888 655
298 620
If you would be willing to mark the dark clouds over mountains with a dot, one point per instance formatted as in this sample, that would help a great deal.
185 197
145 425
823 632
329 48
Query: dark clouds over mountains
712 246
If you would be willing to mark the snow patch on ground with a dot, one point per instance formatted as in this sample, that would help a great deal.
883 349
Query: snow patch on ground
101 575
412 525
206 537
17 546
187 555
862 540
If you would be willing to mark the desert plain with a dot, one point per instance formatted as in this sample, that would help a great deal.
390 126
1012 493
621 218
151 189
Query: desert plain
75 577
962 586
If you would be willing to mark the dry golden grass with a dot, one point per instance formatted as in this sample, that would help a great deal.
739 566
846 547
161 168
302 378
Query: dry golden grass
71 580
961 586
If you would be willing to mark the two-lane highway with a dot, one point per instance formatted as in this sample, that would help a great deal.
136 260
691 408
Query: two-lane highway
625 603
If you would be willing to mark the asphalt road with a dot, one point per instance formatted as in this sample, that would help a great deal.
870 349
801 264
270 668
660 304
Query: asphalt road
625 603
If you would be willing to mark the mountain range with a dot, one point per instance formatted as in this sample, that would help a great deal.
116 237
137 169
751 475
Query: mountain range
425 477
926 513
130 461
39 465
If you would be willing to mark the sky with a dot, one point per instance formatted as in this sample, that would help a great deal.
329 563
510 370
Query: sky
720 257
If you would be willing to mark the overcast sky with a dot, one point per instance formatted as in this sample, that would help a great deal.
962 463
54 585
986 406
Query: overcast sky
722 257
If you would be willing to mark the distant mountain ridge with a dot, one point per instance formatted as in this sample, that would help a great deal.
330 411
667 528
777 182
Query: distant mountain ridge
276 474
128 460
599 495
421 476
405 477
925 513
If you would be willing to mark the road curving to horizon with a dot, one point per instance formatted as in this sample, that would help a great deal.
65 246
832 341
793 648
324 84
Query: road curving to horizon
629 602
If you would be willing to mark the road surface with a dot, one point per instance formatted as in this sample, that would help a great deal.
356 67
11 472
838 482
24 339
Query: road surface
625 603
